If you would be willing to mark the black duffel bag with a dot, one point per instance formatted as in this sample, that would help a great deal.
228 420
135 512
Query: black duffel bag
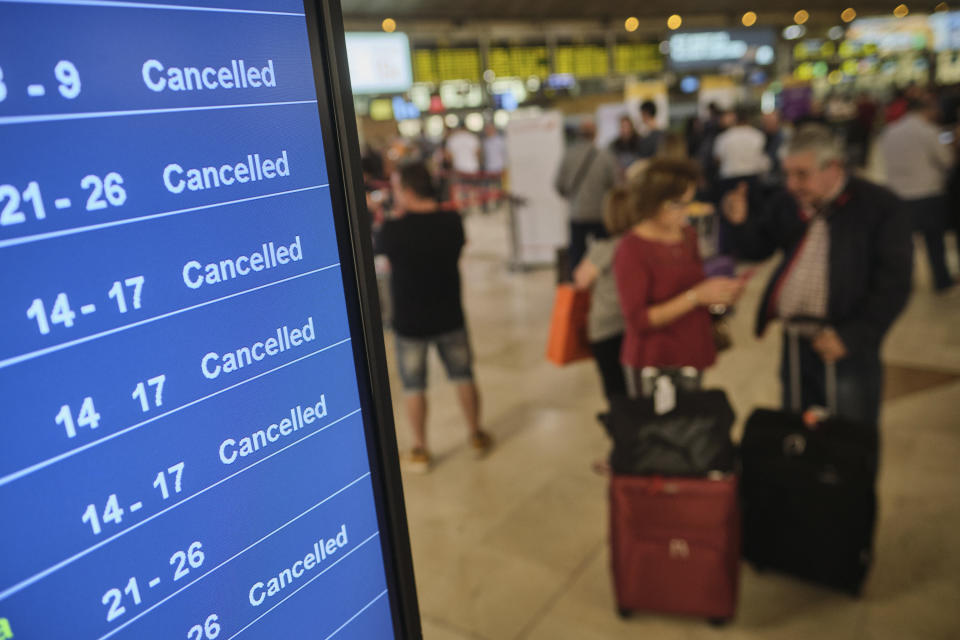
693 439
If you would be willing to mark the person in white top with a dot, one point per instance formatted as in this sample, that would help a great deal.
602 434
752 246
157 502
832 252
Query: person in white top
740 150
464 150
494 150
494 164
917 164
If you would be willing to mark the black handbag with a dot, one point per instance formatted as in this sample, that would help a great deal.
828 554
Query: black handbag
693 439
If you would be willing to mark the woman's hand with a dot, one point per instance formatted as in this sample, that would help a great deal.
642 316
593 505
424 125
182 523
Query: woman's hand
721 291
585 274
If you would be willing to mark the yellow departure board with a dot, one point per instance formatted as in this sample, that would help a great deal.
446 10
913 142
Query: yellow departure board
637 57
443 65
582 60
826 50
520 62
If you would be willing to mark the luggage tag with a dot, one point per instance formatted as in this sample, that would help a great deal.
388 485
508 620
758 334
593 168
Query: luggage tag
664 396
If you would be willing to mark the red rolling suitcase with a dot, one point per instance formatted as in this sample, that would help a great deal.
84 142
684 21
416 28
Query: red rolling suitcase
675 545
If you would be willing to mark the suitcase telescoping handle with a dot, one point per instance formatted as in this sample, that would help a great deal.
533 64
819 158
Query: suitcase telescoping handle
794 327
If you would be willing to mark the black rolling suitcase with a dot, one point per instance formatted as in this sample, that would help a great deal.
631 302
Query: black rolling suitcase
808 494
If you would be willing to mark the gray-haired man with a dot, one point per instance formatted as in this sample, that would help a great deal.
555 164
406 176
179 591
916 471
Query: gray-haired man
848 257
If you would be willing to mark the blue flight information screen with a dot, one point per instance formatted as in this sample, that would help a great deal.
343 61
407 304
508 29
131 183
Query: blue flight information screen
182 444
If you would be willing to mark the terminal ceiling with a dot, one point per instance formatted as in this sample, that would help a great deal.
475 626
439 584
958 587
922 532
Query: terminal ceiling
595 9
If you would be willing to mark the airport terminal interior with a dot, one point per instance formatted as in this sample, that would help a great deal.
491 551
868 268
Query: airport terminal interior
516 545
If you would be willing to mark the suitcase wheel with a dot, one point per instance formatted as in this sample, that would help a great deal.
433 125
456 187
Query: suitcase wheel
624 613
718 622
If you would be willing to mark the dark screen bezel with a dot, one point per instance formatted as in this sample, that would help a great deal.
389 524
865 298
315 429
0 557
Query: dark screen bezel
354 239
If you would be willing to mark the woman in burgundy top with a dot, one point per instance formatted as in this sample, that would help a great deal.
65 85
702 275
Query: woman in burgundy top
659 273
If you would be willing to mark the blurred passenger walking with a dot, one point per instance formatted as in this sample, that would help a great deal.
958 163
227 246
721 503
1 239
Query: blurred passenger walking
595 272
712 127
424 247
663 291
741 155
494 150
494 163
583 179
775 138
741 150
917 167
626 146
652 136
860 133
847 261
464 150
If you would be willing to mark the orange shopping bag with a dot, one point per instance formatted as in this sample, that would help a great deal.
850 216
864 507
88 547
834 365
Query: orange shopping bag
568 327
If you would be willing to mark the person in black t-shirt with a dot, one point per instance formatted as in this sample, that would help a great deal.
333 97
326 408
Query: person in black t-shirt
424 246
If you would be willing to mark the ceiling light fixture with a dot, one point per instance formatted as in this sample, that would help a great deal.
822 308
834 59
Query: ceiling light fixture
749 19
674 22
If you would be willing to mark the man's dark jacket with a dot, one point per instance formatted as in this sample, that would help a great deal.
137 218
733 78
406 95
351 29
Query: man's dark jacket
871 258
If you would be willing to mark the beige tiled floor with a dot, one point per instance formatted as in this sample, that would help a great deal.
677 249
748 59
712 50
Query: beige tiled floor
514 546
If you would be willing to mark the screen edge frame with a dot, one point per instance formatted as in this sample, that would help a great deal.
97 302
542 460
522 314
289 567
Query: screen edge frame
328 52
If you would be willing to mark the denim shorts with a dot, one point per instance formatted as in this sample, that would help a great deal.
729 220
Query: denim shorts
454 349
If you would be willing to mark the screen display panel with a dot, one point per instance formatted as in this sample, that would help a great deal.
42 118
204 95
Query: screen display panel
447 64
714 49
582 60
379 62
520 61
188 438
891 35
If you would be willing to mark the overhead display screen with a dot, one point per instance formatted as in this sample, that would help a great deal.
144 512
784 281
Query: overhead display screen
890 35
582 60
446 64
379 62
946 30
185 449
520 61
637 57
714 49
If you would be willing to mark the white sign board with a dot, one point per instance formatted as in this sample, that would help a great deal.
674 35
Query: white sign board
379 62
535 148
